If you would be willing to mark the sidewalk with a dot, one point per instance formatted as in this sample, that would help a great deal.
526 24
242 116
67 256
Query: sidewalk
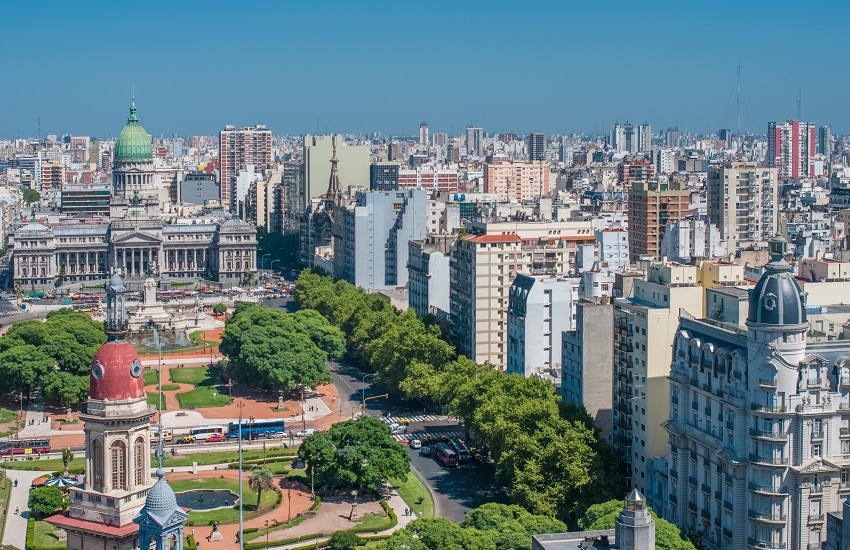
16 524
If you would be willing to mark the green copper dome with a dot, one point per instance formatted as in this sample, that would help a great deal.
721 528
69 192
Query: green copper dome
134 144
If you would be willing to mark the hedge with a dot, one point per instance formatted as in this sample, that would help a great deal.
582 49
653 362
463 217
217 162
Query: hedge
190 543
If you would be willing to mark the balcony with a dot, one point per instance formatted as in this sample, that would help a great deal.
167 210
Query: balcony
771 408
728 505
768 517
817 518
754 543
706 488
816 488
727 533
693 481
692 507
817 434
781 490
769 460
764 383
844 433
773 435
705 514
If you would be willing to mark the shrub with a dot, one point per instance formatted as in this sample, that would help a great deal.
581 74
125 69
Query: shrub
343 540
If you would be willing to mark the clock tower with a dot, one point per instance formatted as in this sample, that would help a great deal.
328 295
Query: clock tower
118 454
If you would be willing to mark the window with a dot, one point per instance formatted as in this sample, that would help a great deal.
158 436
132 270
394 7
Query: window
139 460
816 450
97 463
119 465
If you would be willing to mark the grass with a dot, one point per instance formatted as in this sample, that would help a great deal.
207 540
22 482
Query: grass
416 495
151 377
48 464
203 396
153 399
192 375
170 387
46 535
197 337
5 491
372 522
7 416
228 515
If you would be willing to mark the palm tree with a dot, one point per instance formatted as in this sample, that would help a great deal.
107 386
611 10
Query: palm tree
67 457
261 480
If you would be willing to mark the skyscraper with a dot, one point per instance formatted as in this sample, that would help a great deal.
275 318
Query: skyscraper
239 148
423 134
644 139
474 141
742 203
673 137
791 148
536 147
825 141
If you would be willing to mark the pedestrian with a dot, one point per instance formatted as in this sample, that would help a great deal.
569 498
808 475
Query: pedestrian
406 510
17 511
16 483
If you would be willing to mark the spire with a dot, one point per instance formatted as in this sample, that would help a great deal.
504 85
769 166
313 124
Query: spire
334 189
133 117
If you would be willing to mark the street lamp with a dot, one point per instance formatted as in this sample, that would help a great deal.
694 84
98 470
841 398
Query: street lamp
263 260
267 532
271 265
363 391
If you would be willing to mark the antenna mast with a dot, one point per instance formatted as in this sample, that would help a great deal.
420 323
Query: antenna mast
799 104
738 101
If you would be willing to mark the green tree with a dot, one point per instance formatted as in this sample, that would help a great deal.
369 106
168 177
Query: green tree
31 195
604 516
355 453
44 501
220 309
326 336
22 368
67 457
65 388
261 480
343 540
510 517
433 533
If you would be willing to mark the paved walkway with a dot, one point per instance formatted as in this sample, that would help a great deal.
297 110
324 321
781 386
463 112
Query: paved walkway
16 524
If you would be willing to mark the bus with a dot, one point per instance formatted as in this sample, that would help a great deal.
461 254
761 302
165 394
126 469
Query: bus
256 430
463 454
445 455
24 446
203 433
167 435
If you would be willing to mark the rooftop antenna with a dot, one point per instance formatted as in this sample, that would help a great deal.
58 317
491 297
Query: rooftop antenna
39 128
738 100
799 104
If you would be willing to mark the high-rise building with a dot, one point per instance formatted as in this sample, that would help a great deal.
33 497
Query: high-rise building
536 147
383 176
517 181
791 148
644 140
743 202
617 141
483 265
672 137
759 432
474 141
428 276
651 205
826 144
442 180
725 135
239 148
637 169
423 135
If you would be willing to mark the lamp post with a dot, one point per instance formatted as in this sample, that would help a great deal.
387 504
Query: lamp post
267 532
263 260
363 392
271 266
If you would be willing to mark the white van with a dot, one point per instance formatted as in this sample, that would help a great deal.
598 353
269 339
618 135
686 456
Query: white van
397 429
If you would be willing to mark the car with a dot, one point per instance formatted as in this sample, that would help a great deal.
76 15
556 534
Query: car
187 439
215 438
415 444
305 433
425 450
275 435
397 429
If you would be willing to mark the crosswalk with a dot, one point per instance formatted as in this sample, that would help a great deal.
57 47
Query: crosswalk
414 418
405 438
5 312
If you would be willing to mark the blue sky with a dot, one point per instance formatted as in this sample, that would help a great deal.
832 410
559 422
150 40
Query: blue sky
358 66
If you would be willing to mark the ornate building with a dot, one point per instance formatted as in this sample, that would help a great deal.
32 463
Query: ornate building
140 238
117 421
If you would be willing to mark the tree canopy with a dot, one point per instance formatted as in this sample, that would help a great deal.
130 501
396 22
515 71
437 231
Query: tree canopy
604 515
548 454
355 453
31 195
44 501
274 350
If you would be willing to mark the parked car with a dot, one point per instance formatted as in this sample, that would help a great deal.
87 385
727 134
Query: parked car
305 433
415 444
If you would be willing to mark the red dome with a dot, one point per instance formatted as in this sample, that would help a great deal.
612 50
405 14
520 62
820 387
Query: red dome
116 373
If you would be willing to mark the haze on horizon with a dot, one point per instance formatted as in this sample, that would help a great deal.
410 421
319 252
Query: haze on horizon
555 67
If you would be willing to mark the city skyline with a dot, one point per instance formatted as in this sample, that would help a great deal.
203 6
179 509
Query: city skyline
323 69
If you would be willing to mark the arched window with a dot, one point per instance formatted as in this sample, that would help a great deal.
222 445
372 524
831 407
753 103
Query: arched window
119 465
139 460
97 463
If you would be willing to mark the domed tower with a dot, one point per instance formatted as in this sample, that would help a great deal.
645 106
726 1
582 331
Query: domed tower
132 165
776 325
117 422
161 519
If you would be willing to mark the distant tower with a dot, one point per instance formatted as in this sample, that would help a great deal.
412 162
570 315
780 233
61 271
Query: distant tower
161 520
635 529
423 134
536 147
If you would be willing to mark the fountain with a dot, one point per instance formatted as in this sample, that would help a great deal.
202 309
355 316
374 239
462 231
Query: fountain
174 321
145 340
203 500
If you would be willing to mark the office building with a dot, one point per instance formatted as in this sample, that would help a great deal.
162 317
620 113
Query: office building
200 188
383 176
86 199
536 147
423 135
743 202
791 148
644 138
540 309
375 232
484 263
474 142
238 149
428 276
651 206
586 359
759 451
672 138
826 143
517 181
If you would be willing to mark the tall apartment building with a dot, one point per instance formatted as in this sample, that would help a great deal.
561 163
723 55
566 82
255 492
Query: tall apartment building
644 139
743 202
636 170
672 138
540 309
689 239
430 178
759 422
587 356
423 134
375 234
536 147
428 276
483 265
614 248
617 140
791 148
474 141
826 143
52 175
517 181
651 206
239 148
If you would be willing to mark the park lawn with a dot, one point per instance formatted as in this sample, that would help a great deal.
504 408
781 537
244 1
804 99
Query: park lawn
373 522
192 375
375 545
47 464
153 399
203 396
226 515
8 416
197 337
46 536
416 495
5 491
227 457
151 377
